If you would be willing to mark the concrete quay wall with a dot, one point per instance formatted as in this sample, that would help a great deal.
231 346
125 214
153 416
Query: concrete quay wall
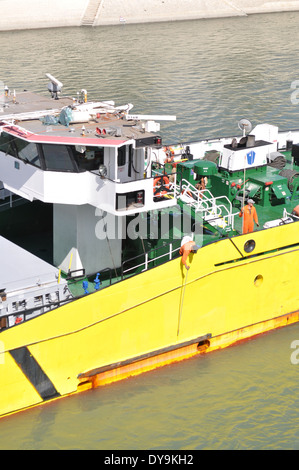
140 11
32 14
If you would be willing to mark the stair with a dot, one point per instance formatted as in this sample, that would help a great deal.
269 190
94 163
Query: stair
91 12
217 211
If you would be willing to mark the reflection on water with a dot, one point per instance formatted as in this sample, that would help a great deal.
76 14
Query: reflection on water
209 73
244 397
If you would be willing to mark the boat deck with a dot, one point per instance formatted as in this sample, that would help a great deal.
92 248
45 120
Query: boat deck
272 212
29 102
29 111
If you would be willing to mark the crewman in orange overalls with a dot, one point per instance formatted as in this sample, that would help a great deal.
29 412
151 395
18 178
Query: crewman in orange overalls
187 246
250 216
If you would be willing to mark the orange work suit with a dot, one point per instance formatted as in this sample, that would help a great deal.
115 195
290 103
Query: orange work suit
185 251
250 215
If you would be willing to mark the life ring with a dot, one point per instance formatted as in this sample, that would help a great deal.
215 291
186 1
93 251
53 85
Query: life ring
161 186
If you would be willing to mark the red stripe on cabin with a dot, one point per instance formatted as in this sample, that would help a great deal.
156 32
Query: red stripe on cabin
50 139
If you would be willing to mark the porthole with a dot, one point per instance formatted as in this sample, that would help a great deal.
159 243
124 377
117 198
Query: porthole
258 280
249 246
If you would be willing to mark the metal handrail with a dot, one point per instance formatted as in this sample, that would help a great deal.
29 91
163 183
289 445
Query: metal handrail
29 311
147 259
204 201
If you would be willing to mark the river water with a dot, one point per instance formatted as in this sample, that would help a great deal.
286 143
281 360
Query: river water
210 74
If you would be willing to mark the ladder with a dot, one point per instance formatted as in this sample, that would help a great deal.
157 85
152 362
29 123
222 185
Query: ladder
217 211
91 12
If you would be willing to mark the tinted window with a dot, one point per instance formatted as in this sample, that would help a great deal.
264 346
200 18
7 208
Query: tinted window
57 157
88 158
7 145
28 152
121 156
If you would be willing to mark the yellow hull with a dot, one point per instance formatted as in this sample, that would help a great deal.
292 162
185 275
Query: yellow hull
153 319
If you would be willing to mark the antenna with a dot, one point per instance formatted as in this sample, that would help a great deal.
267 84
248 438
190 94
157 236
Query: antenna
245 126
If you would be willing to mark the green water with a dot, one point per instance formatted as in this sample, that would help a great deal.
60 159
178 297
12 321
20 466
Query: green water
210 74
244 397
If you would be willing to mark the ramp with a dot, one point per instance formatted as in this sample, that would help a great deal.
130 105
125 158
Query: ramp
91 12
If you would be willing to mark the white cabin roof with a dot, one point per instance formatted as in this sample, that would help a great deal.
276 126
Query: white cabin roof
94 123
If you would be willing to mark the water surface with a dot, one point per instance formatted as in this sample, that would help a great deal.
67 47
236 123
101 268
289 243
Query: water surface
210 74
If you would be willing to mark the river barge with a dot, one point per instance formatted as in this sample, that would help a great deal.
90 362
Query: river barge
95 211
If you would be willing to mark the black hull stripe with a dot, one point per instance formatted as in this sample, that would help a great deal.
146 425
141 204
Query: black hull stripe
34 373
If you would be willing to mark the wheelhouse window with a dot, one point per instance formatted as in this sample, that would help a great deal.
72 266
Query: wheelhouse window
88 158
58 158
53 157
28 152
7 145
121 156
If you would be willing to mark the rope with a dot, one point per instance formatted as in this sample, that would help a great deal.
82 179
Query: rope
181 309
290 175
108 241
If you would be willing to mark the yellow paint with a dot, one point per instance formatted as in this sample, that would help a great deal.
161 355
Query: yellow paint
140 315
71 260
219 342
16 391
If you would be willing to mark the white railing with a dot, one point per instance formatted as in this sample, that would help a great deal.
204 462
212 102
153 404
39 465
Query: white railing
215 210
147 260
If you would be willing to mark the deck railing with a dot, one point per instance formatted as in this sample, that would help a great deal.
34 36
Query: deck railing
213 209
150 259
